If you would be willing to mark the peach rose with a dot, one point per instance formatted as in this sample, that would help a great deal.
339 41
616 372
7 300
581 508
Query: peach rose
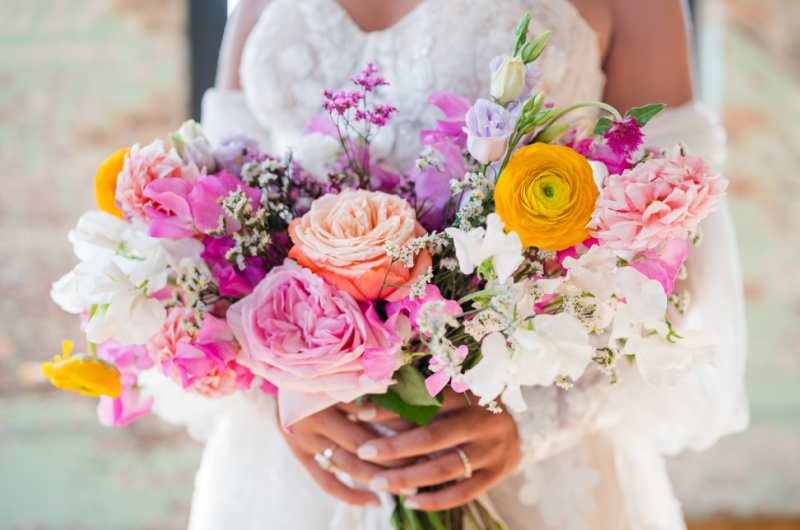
343 239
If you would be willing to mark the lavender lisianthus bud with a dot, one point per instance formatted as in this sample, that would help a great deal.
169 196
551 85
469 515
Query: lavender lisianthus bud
231 151
488 129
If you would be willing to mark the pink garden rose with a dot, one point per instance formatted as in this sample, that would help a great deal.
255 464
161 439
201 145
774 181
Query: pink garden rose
201 360
312 341
343 239
655 202
143 166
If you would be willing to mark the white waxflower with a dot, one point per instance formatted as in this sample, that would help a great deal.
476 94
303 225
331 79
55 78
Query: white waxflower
315 152
663 363
478 245
645 304
558 345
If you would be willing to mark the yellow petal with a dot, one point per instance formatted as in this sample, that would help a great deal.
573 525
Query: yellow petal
105 182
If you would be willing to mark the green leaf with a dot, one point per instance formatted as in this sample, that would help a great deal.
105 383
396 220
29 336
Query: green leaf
646 113
393 403
603 125
535 47
411 387
522 33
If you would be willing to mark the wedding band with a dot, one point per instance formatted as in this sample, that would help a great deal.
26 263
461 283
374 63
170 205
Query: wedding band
324 459
465 461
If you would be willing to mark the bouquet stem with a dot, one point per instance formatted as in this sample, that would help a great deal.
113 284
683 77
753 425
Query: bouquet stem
471 516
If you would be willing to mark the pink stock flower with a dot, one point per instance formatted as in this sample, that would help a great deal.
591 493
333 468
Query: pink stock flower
205 205
436 382
665 265
202 360
142 166
655 202
314 342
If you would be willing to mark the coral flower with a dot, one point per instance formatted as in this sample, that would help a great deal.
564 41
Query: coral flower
343 239
105 182
85 374
546 194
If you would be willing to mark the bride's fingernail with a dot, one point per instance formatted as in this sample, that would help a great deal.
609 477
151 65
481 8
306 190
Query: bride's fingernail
367 451
408 492
379 484
411 504
367 413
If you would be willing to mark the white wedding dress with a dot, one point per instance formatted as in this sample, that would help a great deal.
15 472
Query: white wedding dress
593 454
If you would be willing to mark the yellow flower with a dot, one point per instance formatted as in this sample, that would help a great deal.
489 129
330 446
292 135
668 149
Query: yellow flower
84 374
105 182
546 194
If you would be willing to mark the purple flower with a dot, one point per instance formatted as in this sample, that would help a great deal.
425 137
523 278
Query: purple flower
232 280
624 137
488 129
233 150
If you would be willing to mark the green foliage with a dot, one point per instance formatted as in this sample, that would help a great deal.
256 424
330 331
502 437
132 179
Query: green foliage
603 125
409 397
646 113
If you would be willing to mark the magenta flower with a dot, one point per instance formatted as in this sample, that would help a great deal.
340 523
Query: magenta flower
624 137
169 211
204 200
232 280
131 403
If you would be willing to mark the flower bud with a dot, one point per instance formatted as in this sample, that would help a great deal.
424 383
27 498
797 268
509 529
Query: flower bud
188 132
508 81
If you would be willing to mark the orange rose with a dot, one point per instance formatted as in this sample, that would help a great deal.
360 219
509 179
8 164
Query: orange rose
343 239
105 182
547 194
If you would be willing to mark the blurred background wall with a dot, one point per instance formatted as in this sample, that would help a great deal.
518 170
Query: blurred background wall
81 78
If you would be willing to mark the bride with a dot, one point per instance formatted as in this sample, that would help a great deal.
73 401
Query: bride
587 458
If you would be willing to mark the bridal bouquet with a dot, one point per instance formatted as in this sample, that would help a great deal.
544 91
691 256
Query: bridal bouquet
518 251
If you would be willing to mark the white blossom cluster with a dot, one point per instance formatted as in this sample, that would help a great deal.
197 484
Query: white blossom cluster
434 323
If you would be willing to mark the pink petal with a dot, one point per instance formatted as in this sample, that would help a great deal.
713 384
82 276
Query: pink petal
436 382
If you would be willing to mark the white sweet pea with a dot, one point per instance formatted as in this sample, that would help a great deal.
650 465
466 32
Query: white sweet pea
66 293
316 152
558 345
592 272
97 235
663 363
130 318
599 172
478 245
645 304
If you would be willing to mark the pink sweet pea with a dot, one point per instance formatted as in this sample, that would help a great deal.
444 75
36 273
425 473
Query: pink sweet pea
131 403
435 383
665 265
232 280
204 200
169 209
411 308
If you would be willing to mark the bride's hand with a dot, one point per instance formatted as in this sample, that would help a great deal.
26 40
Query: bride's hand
488 440
330 428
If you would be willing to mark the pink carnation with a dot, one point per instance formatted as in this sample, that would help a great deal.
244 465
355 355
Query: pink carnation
655 202
202 360
142 166
312 341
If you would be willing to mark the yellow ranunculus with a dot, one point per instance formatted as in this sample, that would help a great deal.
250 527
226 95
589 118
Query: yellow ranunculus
84 374
547 194
105 182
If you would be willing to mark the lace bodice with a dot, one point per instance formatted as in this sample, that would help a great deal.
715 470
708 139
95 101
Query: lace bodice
299 47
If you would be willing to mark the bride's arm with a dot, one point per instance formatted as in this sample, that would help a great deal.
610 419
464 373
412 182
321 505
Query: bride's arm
648 60
238 28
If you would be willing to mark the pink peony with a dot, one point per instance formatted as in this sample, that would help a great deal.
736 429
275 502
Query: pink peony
312 341
142 166
655 202
202 360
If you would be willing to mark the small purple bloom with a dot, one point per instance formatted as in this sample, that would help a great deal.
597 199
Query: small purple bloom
488 129
624 137
233 150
